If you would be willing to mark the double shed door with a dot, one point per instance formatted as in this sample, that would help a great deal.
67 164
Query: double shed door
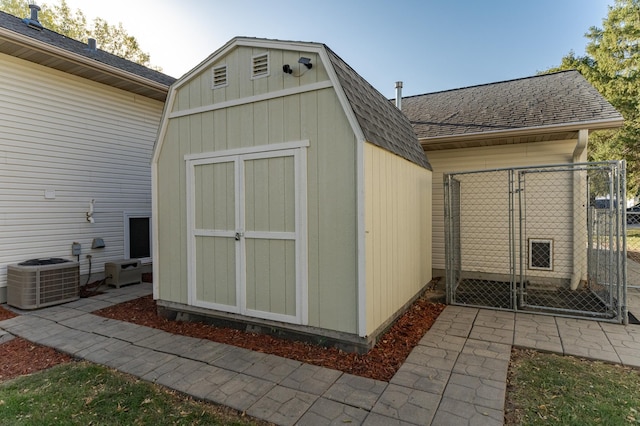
247 250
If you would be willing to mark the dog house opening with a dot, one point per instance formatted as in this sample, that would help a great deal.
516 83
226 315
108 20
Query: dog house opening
541 254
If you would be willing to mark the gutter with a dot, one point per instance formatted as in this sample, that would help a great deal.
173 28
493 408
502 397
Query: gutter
438 141
580 252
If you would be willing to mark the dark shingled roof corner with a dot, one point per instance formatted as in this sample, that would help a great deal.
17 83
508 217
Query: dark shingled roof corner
60 41
545 100
381 122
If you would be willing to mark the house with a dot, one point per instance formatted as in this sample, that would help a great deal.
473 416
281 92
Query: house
289 195
540 120
77 128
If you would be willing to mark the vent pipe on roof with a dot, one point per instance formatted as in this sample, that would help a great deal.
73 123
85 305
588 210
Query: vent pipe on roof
399 95
33 21
91 45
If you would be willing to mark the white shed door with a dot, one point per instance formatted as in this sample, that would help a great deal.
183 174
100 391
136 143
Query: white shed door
247 250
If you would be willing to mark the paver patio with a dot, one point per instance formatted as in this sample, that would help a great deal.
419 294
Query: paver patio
456 375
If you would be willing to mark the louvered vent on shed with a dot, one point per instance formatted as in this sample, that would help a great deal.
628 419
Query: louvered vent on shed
219 76
260 65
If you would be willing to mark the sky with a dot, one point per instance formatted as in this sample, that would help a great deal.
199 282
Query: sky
430 45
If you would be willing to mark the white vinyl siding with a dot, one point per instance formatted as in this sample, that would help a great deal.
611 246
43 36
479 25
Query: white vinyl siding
80 140
482 158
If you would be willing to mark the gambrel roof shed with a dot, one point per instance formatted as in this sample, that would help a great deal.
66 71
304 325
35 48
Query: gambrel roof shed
307 194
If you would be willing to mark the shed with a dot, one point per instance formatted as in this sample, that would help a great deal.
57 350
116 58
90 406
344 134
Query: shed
76 124
288 194
539 120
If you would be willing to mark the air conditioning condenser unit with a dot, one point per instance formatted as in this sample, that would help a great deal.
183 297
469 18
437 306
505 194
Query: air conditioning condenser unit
38 283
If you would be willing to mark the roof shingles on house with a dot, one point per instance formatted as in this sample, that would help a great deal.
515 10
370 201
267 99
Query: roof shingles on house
54 50
381 122
540 102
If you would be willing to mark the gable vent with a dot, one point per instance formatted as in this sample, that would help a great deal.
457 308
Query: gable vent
260 65
219 76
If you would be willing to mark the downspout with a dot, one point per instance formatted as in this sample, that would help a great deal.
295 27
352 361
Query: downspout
580 218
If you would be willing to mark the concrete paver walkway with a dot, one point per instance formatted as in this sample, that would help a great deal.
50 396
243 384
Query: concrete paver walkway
455 376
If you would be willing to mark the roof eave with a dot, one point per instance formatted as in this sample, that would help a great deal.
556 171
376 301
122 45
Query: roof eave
63 54
442 141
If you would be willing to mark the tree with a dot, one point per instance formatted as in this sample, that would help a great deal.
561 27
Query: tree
61 19
612 66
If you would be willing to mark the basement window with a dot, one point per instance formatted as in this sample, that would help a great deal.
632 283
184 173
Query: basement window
541 254
260 65
219 77
137 236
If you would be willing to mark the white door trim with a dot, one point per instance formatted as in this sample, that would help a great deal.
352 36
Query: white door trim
297 150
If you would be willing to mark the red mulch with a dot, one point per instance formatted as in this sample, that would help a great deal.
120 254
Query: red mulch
380 363
19 357
6 314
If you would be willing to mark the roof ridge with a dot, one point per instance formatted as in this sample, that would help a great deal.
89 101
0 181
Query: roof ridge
493 83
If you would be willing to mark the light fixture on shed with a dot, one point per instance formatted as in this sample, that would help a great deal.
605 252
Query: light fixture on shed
306 62
286 68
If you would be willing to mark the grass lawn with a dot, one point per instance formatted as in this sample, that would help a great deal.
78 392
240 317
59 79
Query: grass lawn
543 389
81 393
549 389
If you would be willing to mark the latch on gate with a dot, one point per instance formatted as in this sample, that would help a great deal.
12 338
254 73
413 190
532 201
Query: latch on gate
239 235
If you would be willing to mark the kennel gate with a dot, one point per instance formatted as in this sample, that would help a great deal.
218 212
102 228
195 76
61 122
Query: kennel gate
538 239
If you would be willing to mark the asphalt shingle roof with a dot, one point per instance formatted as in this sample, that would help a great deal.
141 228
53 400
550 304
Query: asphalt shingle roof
54 39
381 122
544 100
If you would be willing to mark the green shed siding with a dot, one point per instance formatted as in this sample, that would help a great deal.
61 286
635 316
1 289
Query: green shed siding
332 219
316 116
199 93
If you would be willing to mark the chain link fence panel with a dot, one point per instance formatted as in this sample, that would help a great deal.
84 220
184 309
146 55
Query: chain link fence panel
547 239
633 247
